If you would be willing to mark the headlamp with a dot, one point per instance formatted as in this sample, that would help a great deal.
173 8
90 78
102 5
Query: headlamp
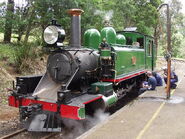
54 34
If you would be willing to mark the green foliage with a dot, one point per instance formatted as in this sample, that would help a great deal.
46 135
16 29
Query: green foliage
119 14
24 54
177 30
147 16
6 53
31 20
20 55
2 21
124 14
36 37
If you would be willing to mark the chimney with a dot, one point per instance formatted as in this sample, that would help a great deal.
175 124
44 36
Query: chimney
75 27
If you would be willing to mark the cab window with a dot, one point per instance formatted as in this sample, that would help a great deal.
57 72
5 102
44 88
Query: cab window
141 42
129 41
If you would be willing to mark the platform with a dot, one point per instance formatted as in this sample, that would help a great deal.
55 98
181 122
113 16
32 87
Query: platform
150 116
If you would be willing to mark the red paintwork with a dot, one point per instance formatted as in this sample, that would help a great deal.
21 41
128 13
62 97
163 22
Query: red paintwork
13 102
92 100
66 111
47 106
71 112
124 78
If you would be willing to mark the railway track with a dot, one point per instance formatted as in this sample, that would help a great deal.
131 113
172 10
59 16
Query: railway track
18 132
13 134
52 135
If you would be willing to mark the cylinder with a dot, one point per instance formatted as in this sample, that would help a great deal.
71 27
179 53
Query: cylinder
75 27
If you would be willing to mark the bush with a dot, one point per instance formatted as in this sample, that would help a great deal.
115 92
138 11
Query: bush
24 55
36 36
2 21
6 53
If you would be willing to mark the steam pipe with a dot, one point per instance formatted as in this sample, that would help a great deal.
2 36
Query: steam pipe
75 27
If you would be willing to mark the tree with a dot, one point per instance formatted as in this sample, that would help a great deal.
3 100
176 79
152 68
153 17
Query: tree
177 29
120 14
21 19
9 20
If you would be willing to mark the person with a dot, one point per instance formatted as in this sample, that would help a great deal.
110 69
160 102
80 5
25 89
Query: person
173 79
136 45
150 84
158 79
104 44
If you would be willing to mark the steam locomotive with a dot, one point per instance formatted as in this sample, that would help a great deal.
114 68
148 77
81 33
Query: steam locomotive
81 79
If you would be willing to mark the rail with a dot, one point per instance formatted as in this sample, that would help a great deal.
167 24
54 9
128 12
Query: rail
13 134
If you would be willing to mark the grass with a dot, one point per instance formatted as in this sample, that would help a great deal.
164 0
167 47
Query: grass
19 55
7 52
24 55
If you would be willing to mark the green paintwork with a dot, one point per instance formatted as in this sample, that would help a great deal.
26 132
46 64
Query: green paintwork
125 53
154 56
105 53
101 87
120 39
109 34
150 59
150 52
81 113
148 56
92 38
124 60
112 100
